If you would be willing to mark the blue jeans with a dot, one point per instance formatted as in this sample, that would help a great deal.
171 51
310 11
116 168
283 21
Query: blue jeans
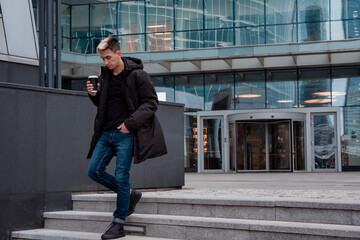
111 143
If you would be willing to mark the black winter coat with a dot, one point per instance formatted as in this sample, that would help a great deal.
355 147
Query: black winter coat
142 102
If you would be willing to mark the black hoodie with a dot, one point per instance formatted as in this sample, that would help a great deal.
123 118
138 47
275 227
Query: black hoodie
142 103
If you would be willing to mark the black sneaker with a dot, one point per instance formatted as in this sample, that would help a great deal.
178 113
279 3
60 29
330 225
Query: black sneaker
135 197
116 230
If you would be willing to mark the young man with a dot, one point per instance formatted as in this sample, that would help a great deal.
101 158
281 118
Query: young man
125 126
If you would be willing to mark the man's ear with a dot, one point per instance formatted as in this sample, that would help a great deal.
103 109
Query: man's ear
119 53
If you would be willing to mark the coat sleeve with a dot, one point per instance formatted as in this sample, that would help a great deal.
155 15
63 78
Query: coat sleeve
148 102
95 99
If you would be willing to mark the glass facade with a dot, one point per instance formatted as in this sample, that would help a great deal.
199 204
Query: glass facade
161 25
285 88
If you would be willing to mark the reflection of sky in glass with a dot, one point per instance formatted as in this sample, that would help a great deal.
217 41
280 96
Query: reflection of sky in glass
339 86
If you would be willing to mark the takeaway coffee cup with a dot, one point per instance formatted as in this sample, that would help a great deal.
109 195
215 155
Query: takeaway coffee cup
94 81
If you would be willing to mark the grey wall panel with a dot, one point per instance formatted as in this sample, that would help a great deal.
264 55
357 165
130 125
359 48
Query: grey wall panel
19 73
22 141
69 128
20 212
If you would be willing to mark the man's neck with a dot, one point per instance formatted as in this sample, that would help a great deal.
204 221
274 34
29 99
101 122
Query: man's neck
119 68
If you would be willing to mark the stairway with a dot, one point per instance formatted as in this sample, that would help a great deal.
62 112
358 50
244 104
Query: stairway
203 218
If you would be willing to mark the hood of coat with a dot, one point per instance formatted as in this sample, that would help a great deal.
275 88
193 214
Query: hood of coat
130 63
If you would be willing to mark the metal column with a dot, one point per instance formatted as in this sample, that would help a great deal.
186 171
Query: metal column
50 45
42 42
58 44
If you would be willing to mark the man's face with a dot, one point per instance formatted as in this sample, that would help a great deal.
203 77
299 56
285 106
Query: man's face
111 59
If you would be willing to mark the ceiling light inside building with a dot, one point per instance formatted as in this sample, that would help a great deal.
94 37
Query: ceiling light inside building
325 94
318 101
285 101
248 96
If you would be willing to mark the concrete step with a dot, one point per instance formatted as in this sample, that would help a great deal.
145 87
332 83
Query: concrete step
206 228
307 211
50 234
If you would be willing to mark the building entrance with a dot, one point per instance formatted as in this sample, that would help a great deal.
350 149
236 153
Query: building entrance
272 141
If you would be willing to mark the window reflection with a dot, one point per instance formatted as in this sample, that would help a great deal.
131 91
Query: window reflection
281 89
132 43
313 10
349 9
345 29
281 34
218 13
314 88
219 91
351 139
103 20
249 13
189 14
346 86
164 86
80 22
279 13
249 36
249 90
131 17
218 38
191 39
189 90
314 31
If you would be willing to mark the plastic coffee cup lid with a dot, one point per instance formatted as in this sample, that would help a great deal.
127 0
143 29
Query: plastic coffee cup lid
93 76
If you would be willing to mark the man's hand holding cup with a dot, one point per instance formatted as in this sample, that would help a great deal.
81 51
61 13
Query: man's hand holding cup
92 85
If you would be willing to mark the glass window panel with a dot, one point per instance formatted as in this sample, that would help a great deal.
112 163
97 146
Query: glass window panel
249 90
324 141
351 144
190 133
345 29
159 15
103 20
281 89
80 21
278 12
35 5
314 32
348 9
281 34
131 17
164 87
219 91
249 36
218 38
80 45
189 90
65 44
132 43
65 20
192 39
314 88
212 139
160 41
249 13
189 14
313 10
94 42
346 86
218 13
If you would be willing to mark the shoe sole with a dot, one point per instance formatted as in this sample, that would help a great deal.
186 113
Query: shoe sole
137 199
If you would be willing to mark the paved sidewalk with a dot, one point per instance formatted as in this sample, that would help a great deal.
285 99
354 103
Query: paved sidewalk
341 187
